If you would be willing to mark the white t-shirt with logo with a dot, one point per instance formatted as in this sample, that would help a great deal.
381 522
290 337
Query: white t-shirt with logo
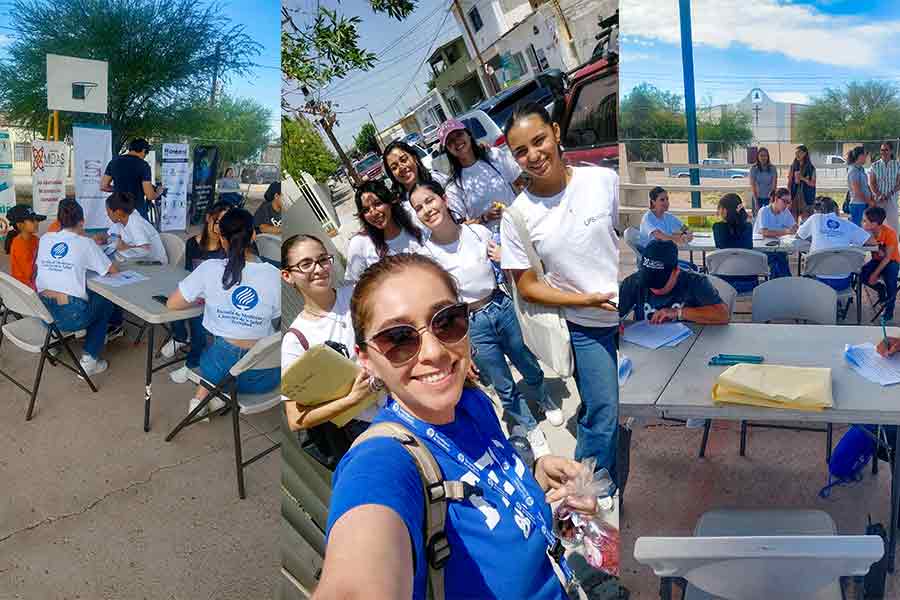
63 259
361 252
139 232
467 260
830 231
243 312
336 326
574 235
482 184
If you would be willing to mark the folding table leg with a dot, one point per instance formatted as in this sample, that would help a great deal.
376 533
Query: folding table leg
706 425
743 438
148 382
877 448
895 507
238 451
829 439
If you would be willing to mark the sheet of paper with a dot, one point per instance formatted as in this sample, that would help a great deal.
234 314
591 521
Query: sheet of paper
866 361
648 335
120 279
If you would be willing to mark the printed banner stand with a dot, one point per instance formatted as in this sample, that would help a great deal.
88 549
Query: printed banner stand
93 151
206 164
175 178
49 167
7 182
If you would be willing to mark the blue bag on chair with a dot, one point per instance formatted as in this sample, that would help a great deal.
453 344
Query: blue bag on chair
849 458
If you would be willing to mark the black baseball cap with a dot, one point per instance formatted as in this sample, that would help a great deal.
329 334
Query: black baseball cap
658 260
22 212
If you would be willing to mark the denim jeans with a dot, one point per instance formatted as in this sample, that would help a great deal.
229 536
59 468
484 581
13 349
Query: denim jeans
198 339
495 333
838 284
596 376
889 276
856 213
778 265
218 359
92 315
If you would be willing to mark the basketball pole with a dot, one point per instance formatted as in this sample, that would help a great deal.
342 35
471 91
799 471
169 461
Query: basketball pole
55 125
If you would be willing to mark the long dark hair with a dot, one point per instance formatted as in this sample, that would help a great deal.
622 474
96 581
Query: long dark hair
398 214
236 226
438 189
759 166
216 209
735 214
69 213
806 168
532 109
481 153
854 154
422 174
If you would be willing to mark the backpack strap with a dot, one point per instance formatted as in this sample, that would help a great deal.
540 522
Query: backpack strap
299 335
519 223
437 493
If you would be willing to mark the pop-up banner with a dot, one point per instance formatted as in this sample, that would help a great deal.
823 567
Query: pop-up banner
175 178
93 151
206 165
49 167
7 184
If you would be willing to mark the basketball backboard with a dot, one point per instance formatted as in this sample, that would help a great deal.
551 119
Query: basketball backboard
77 84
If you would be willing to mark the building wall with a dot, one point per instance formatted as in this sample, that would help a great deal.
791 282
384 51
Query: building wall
392 133
546 44
583 18
492 17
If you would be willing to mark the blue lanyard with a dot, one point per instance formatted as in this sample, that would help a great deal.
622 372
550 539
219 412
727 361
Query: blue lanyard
526 507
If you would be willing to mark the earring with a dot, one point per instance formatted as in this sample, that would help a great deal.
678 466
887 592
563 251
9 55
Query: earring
375 384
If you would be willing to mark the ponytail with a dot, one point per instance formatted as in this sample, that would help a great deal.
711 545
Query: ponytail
236 226
10 236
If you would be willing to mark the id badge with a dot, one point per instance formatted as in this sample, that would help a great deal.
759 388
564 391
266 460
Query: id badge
522 521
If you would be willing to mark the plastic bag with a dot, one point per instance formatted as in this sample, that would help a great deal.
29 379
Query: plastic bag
598 540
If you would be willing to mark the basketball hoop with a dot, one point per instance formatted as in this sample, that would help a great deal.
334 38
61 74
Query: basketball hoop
81 89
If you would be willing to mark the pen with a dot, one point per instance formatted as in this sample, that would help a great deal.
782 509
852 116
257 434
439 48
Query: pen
884 331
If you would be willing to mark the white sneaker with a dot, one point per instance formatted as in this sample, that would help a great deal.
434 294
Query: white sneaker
555 416
215 405
180 375
92 365
539 445
203 413
115 332
54 352
170 348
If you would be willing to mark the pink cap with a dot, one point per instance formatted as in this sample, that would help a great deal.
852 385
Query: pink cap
448 127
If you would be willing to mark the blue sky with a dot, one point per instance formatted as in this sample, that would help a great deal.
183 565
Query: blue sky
262 19
792 50
381 90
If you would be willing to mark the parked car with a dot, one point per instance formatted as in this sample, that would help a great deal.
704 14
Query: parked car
713 168
414 138
430 135
487 119
370 167
588 119
264 173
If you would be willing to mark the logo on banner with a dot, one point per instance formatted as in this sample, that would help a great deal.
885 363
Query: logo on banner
92 168
59 250
42 158
245 298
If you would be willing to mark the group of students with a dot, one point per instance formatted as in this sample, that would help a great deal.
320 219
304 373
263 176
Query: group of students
421 305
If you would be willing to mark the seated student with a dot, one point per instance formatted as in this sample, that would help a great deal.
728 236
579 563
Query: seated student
659 224
267 218
63 260
660 291
229 188
735 231
242 299
22 242
880 273
137 238
773 221
827 230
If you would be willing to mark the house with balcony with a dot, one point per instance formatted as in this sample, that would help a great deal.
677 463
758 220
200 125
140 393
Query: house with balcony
455 76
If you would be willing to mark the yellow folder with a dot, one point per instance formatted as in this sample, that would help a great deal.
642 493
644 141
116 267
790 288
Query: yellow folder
321 375
774 386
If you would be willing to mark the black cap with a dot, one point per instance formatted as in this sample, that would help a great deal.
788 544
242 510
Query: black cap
658 260
22 212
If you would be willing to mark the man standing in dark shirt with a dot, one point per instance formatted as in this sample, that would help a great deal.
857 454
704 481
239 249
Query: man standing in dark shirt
661 292
267 218
130 173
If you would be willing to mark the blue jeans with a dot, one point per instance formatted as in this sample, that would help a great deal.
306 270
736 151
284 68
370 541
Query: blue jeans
92 315
495 333
218 359
596 376
778 265
856 212
198 339
889 276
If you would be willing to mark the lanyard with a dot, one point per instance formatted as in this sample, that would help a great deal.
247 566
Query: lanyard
529 508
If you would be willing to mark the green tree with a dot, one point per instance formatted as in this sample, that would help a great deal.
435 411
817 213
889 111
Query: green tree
731 128
304 150
648 113
162 59
867 110
366 140
238 126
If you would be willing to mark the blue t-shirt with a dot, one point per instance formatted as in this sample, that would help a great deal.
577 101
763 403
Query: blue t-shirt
490 557
858 174
669 224
767 219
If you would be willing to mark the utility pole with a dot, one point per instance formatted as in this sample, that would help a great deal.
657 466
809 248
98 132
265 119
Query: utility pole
567 33
326 125
377 137
482 74
690 102
215 78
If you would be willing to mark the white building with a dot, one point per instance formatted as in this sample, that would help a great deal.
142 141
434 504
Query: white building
431 110
770 120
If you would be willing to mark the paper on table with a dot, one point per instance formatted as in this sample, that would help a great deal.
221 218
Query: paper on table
648 335
865 360
120 279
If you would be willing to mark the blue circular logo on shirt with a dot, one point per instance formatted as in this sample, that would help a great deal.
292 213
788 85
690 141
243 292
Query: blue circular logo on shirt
59 250
832 224
245 298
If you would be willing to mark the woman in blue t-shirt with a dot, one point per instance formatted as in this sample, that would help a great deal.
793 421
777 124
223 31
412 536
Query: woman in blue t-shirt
858 184
411 332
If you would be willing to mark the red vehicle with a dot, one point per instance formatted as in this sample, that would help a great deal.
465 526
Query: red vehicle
589 120
370 167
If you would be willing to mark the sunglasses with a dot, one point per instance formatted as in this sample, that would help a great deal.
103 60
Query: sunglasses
401 343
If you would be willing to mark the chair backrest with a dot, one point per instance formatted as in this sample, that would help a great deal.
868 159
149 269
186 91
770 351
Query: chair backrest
21 299
265 354
633 238
175 247
748 568
795 298
726 291
737 262
269 247
834 261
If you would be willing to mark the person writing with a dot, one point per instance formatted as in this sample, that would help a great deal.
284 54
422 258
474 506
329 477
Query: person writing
773 221
21 242
411 332
267 218
827 230
660 291
880 273
889 346
134 236
130 174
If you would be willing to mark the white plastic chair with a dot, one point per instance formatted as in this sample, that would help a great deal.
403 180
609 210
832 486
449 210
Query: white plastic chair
269 247
266 354
738 262
726 292
839 261
35 332
771 554
633 238
795 299
175 248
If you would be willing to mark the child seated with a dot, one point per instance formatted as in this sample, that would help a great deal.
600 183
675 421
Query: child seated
134 236
880 273
22 242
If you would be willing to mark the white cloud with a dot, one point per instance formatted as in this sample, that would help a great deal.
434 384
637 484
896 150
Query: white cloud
635 56
792 97
5 40
799 32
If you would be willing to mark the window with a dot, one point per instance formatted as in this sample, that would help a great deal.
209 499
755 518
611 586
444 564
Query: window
593 120
532 57
22 152
475 18
520 67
